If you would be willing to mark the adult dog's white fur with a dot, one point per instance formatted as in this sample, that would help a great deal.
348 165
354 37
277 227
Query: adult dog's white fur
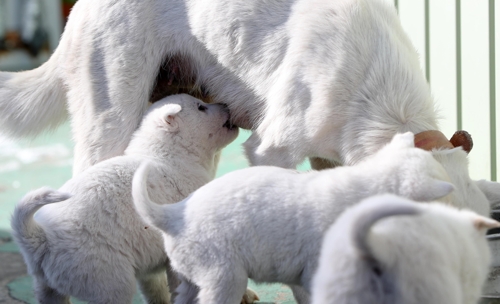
89 242
267 223
437 255
334 79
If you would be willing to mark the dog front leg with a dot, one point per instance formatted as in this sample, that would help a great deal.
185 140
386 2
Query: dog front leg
259 154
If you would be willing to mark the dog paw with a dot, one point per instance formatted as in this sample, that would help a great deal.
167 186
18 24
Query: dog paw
249 297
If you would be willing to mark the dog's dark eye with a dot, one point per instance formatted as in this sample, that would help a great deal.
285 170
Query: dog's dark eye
202 108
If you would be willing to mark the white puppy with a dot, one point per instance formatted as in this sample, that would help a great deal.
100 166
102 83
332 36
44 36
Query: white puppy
311 78
91 243
267 223
438 255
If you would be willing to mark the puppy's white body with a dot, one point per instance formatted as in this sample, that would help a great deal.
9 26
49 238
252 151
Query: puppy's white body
267 223
437 255
311 78
93 245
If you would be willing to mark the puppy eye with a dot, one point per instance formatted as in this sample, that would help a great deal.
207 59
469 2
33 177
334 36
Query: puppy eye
202 108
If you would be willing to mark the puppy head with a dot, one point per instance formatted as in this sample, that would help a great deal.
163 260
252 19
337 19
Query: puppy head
402 169
186 123
478 196
452 249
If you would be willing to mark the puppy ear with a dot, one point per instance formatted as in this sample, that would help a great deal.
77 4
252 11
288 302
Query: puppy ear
404 140
483 223
170 116
491 190
436 189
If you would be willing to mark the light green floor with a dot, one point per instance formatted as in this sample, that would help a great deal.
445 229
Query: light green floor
46 161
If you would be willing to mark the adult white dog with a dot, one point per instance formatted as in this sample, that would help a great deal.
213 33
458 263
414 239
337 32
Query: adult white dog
312 78
267 223
376 253
91 243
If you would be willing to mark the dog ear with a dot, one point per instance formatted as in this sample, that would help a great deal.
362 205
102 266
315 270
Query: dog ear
404 140
491 190
170 116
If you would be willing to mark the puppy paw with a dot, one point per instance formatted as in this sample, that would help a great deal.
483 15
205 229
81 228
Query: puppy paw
249 297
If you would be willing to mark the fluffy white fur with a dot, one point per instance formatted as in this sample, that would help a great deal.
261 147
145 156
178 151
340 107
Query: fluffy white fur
90 243
377 253
267 223
311 78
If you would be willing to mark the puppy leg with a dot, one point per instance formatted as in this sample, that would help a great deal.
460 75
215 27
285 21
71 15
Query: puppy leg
186 293
114 287
300 294
249 297
116 297
154 288
173 281
46 295
226 290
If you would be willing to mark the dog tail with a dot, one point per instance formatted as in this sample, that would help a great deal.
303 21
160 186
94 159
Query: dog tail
32 101
152 214
368 212
27 233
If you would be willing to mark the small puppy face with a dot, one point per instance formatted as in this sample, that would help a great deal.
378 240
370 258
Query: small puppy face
186 120
408 171
479 196
212 121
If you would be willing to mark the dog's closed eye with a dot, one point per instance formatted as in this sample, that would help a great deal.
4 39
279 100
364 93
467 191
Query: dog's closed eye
202 108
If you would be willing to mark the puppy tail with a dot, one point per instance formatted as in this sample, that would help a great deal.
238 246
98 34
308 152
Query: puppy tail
28 234
368 212
151 213
32 101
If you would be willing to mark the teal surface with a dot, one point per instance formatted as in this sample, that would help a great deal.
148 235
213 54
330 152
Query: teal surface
47 161
21 289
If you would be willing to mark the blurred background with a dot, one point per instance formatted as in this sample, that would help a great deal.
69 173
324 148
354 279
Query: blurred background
30 31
